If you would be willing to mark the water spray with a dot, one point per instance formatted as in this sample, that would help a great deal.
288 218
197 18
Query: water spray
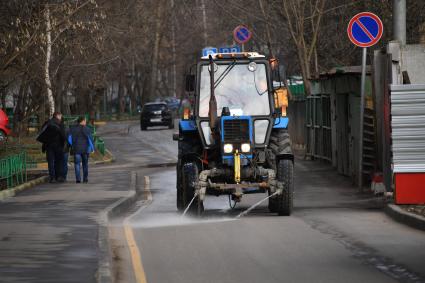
190 203
257 204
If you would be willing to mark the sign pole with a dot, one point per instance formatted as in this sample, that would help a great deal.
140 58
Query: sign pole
364 30
362 99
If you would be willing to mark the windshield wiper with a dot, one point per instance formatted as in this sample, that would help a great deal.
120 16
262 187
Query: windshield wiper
224 74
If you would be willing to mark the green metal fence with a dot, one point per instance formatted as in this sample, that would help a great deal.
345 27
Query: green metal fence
100 145
13 170
70 120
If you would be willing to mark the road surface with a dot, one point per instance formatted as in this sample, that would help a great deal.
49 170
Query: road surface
334 234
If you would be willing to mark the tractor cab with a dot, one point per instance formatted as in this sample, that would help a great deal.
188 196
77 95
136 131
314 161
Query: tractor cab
227 139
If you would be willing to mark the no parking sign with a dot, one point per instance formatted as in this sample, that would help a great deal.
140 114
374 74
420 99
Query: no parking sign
365 29
241 34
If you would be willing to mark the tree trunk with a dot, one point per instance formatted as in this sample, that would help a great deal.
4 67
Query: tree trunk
3 98
131 93
305 69
18 115
98 95
422 33
121 102
48 59
155 55
268 32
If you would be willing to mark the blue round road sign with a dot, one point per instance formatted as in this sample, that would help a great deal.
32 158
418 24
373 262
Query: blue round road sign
365 29
242 34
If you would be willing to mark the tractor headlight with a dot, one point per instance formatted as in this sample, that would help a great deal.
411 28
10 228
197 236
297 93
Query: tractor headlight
228 148
245 147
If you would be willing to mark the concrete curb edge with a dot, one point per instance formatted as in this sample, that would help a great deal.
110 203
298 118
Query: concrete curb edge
13 191
105 263
405 217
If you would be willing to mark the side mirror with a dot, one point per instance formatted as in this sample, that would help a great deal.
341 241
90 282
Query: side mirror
278 74
274 66
281 100
190 83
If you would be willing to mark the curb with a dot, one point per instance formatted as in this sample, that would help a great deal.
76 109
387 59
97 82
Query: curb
13 191
105 264
410 219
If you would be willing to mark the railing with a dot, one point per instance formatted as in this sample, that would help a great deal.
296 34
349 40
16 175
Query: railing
98 141
100 145
318 124
13 170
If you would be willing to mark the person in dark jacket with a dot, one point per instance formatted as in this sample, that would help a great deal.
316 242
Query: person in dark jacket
53 138
82 145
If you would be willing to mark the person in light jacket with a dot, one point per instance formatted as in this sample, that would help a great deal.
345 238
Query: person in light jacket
81 143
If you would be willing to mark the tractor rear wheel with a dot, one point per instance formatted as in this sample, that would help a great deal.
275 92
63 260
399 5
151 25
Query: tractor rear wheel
189 178
285 176
280 144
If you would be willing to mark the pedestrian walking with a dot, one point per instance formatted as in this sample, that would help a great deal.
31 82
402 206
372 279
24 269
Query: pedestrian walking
52 136
66 154
81 146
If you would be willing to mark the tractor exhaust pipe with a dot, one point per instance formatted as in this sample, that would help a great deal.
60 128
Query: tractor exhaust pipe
212 112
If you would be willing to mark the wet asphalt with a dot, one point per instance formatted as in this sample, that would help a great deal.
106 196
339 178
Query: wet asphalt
334 235
50 233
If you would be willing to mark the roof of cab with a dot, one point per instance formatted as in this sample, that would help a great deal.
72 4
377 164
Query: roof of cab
238 55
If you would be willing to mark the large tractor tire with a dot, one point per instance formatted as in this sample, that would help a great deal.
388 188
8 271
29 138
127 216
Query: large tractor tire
187 169
179 196
189 178
280 145
285 175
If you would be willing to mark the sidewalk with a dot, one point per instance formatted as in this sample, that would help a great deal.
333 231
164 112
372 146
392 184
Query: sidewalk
50 233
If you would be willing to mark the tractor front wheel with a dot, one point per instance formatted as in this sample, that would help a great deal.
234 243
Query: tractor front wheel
179 196
188 188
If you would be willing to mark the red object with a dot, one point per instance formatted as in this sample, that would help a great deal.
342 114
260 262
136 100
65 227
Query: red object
378 178
409 188
375 39
4 123
205 157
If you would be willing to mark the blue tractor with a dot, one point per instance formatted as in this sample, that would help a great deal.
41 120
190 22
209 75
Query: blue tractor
234 139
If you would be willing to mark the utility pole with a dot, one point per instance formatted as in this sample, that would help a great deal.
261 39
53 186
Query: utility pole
399 20
204 20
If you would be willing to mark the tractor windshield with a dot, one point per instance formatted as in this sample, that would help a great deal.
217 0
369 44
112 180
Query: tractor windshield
242 89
